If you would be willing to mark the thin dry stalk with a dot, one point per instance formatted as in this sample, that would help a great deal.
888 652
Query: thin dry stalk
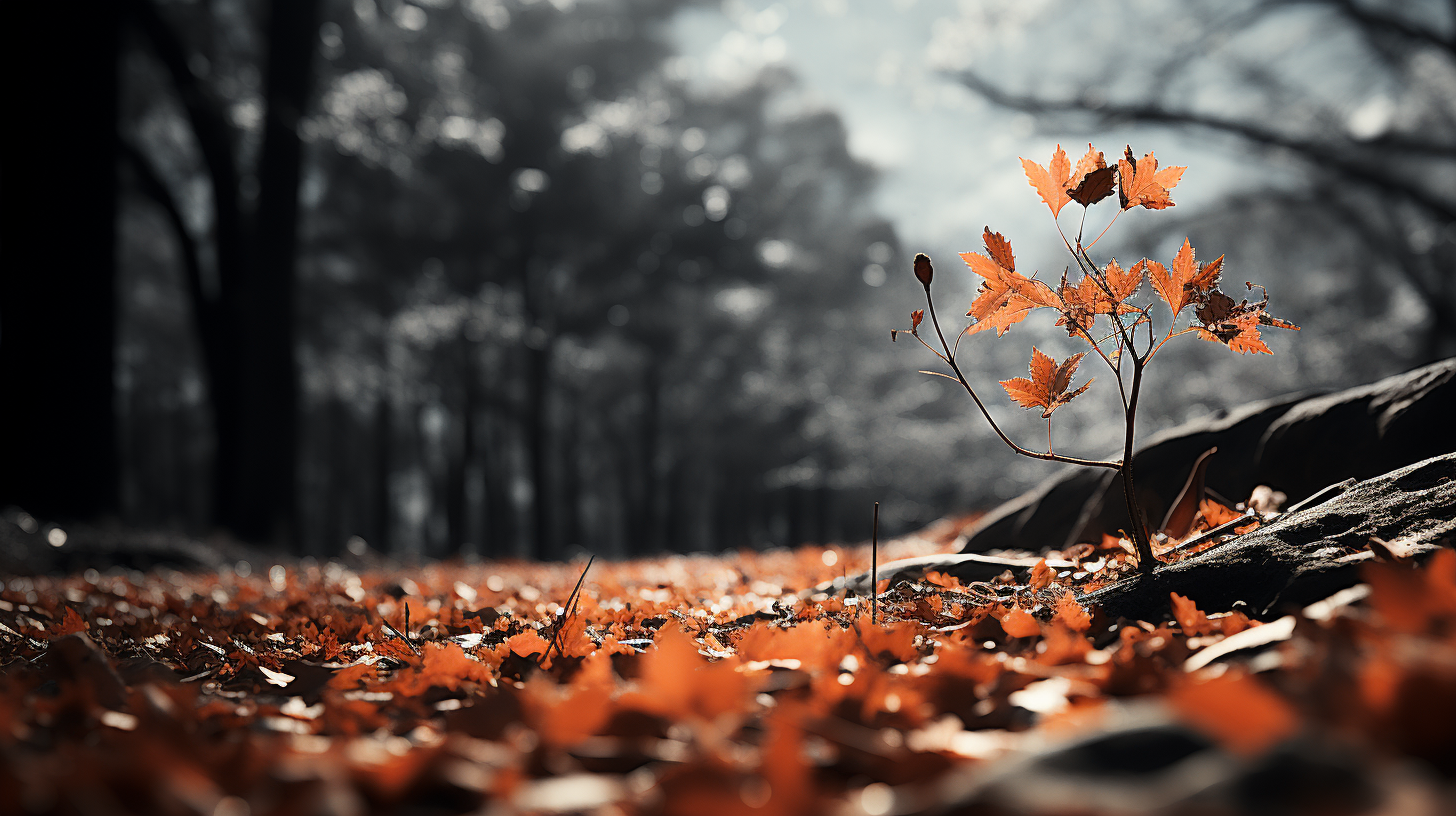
875 568
572 601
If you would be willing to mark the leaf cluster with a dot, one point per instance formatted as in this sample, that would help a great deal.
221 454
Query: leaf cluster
1107 290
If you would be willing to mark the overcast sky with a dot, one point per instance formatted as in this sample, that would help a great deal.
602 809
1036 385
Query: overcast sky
950 160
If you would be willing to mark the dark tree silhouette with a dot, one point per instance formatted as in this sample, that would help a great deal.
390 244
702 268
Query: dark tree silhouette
246 324
57 262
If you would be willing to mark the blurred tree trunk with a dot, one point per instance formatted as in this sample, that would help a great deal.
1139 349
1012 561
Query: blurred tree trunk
650 502
247 328
538 442
457 497
57 247
267 470
497 528
215 315
338 480
571 526
383 463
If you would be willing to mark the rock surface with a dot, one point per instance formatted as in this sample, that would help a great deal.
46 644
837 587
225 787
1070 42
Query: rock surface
1307 555
1298 558
1297 444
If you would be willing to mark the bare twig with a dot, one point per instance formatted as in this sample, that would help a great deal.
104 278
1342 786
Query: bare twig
949 358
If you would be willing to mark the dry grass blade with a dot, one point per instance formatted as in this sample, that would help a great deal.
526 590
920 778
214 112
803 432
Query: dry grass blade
569 609
875 568
399 634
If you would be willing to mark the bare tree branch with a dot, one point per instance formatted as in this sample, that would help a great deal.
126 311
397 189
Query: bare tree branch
205 312
1370 20
1348 166
214 137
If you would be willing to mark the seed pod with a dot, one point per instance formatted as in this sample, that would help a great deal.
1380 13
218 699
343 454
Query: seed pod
924 272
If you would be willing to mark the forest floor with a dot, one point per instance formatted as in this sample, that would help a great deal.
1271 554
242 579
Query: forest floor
716 685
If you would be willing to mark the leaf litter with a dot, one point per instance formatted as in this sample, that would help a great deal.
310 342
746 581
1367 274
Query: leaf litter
686 684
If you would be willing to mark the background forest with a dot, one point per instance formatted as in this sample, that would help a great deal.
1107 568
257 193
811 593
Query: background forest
511 277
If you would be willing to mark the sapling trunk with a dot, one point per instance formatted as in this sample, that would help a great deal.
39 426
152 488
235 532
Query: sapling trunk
1138 531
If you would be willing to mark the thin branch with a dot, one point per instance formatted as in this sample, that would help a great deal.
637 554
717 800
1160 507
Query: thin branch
1166 339
1350 167
957 346
1050 457
1104 229
1391 24
914 333
214 136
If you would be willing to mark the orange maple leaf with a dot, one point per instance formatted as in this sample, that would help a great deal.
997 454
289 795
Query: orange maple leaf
1186 282
1084 300
1092 179
943 580
1005 297
1124 284
1241 712
1059 183
1000 250
349 677
1051 181
1047 388
527 643
397 649
1012 311
1020 623
1215 514
1236 325
676 681
70 624
1080 304
1141 182
1190 617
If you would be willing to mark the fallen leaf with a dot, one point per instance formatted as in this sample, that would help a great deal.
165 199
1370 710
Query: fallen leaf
1190 618
1019 623
1072 614
1237 710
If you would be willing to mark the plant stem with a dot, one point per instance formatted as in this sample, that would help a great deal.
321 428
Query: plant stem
1146 561
950 360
